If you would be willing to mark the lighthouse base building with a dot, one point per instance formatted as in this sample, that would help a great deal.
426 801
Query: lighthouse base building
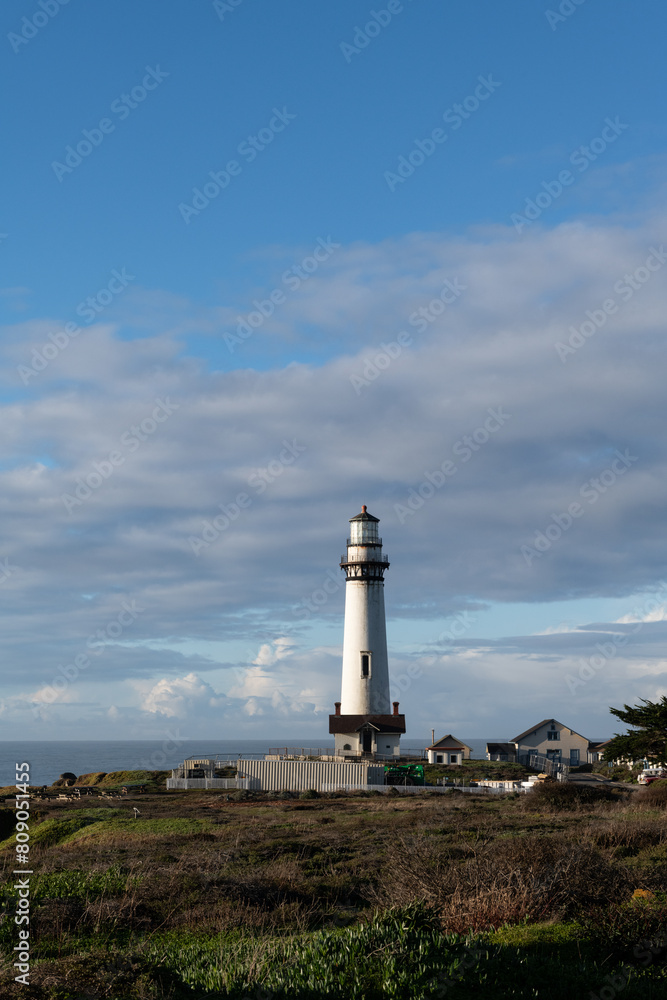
363 724
367 735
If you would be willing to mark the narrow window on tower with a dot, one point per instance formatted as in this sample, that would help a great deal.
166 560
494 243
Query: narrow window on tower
365 664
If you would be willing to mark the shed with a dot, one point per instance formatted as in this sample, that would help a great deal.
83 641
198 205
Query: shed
500 751
448 750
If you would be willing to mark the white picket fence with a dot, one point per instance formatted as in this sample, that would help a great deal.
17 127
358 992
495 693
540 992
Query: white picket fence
242 783
202 783
418 789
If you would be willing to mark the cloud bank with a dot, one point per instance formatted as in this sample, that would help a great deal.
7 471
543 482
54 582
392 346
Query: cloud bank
498 401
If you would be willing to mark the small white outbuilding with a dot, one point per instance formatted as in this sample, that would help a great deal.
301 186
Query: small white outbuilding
448 750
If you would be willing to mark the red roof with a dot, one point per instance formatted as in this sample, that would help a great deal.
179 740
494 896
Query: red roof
449 742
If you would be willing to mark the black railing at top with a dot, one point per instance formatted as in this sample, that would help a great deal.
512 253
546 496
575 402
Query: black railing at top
384 561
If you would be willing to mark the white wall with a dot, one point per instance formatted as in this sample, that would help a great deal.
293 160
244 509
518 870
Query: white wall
568 741
297 776
383 743
365 631
447 756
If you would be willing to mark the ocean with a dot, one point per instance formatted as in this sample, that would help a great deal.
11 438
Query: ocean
49 759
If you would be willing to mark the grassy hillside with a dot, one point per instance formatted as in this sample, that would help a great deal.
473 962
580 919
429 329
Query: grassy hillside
473 770
348 897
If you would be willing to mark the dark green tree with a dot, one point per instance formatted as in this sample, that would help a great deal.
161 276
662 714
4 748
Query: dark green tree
648 738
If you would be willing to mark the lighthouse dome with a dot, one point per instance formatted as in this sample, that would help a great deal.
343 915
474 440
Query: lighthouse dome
364 528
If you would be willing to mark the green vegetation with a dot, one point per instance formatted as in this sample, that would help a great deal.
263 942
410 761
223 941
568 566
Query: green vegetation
616 772
101 782
345 897
74 884
119 779
647 738
54 831
475 770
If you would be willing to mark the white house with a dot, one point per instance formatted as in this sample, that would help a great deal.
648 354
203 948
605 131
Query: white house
553 740
596 751
448 750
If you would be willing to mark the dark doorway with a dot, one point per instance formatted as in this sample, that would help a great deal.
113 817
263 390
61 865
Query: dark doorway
367 741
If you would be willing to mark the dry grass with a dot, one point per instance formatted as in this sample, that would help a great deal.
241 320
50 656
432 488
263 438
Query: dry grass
534 877
279 865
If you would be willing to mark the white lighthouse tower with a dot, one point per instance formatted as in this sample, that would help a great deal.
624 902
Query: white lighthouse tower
362 724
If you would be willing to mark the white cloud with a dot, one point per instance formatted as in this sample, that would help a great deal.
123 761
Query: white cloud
130 540
271 653
301 684
49 695
557 629
182 697
658 614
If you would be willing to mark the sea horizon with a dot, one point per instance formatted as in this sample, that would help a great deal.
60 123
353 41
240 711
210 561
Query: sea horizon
48 759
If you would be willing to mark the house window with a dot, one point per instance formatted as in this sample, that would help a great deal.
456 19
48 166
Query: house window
553 735
365 664
346 746
438 758
453 759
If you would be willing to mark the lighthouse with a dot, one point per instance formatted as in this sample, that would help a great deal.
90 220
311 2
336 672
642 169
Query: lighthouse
363 723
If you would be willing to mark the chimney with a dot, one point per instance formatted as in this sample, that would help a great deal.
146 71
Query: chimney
395 704
337 706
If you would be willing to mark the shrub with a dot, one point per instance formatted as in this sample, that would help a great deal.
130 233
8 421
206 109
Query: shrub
569 795
310 793
629 836
634 931
615 772
505 881
653 796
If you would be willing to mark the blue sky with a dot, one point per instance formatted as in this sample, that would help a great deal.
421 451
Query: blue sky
418 208
325 173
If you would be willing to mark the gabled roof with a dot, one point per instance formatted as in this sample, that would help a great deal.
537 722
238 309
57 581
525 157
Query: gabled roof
546 722
449 741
